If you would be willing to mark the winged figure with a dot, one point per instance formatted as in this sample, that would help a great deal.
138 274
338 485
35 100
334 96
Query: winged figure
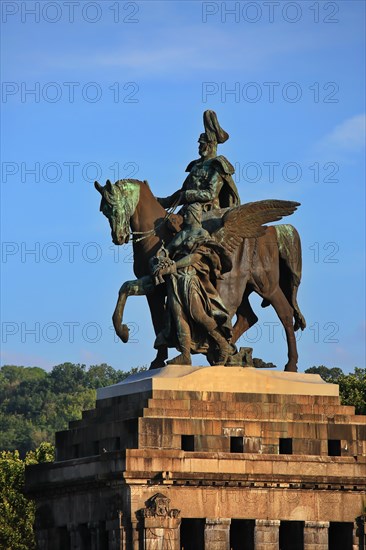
196 318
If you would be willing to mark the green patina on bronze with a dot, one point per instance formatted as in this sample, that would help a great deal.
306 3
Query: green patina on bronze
287 238
118 204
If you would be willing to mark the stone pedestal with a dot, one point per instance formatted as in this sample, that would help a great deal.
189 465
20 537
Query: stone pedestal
217 534
216 443
316 535
266 534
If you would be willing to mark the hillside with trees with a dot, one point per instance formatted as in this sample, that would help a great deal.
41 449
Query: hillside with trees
34 404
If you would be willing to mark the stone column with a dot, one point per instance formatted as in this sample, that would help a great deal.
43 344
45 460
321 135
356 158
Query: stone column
42 539
116 538
161 533
94 535
266 534
316 535
217 534
136 534
359 534
75 539
159 524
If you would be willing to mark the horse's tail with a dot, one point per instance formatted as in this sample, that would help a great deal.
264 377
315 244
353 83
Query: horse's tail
289 247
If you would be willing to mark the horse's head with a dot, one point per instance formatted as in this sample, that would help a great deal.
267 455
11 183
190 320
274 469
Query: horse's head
118 204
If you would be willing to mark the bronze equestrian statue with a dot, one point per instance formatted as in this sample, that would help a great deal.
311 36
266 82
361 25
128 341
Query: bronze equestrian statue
265 260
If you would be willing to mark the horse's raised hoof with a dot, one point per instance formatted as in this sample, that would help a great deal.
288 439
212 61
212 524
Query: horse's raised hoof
125 334
290 367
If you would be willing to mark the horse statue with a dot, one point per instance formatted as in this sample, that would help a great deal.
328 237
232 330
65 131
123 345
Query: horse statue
267 262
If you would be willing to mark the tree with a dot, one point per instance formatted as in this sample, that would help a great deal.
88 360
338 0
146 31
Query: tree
16 433
99 376
329 375
352 387
14 374
68 378
17 512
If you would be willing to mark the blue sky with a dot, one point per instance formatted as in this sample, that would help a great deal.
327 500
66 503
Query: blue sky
119 89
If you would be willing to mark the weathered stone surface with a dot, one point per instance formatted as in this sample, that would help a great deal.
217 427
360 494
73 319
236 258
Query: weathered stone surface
249 380
217 533
266 534
316 535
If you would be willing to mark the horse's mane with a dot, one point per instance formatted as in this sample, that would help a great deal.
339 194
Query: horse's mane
131 180
107 197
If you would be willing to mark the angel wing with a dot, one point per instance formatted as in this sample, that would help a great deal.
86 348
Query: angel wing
246 221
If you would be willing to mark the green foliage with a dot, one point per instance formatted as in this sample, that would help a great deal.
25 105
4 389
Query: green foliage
352 387
14 374
67 378
16 433
17 512
99 376
34 404
328 375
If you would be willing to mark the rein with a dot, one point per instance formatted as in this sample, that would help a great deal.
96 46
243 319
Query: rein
151 232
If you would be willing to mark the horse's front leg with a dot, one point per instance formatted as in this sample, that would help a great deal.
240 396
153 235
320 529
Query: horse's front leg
139 287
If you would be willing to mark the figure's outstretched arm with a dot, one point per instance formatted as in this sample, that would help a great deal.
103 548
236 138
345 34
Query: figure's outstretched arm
188 260
173 200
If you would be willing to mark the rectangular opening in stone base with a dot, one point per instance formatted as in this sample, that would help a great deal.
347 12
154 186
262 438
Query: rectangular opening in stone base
187 443
192 534
340 536
242 534
292 535
236 444
285 446
334 447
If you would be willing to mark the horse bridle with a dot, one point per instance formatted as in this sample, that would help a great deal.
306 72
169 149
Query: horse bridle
151 232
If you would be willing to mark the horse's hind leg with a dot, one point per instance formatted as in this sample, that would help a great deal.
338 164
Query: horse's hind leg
245 317
156 302
285 314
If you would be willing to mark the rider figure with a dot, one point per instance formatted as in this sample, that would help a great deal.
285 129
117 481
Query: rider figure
210 179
